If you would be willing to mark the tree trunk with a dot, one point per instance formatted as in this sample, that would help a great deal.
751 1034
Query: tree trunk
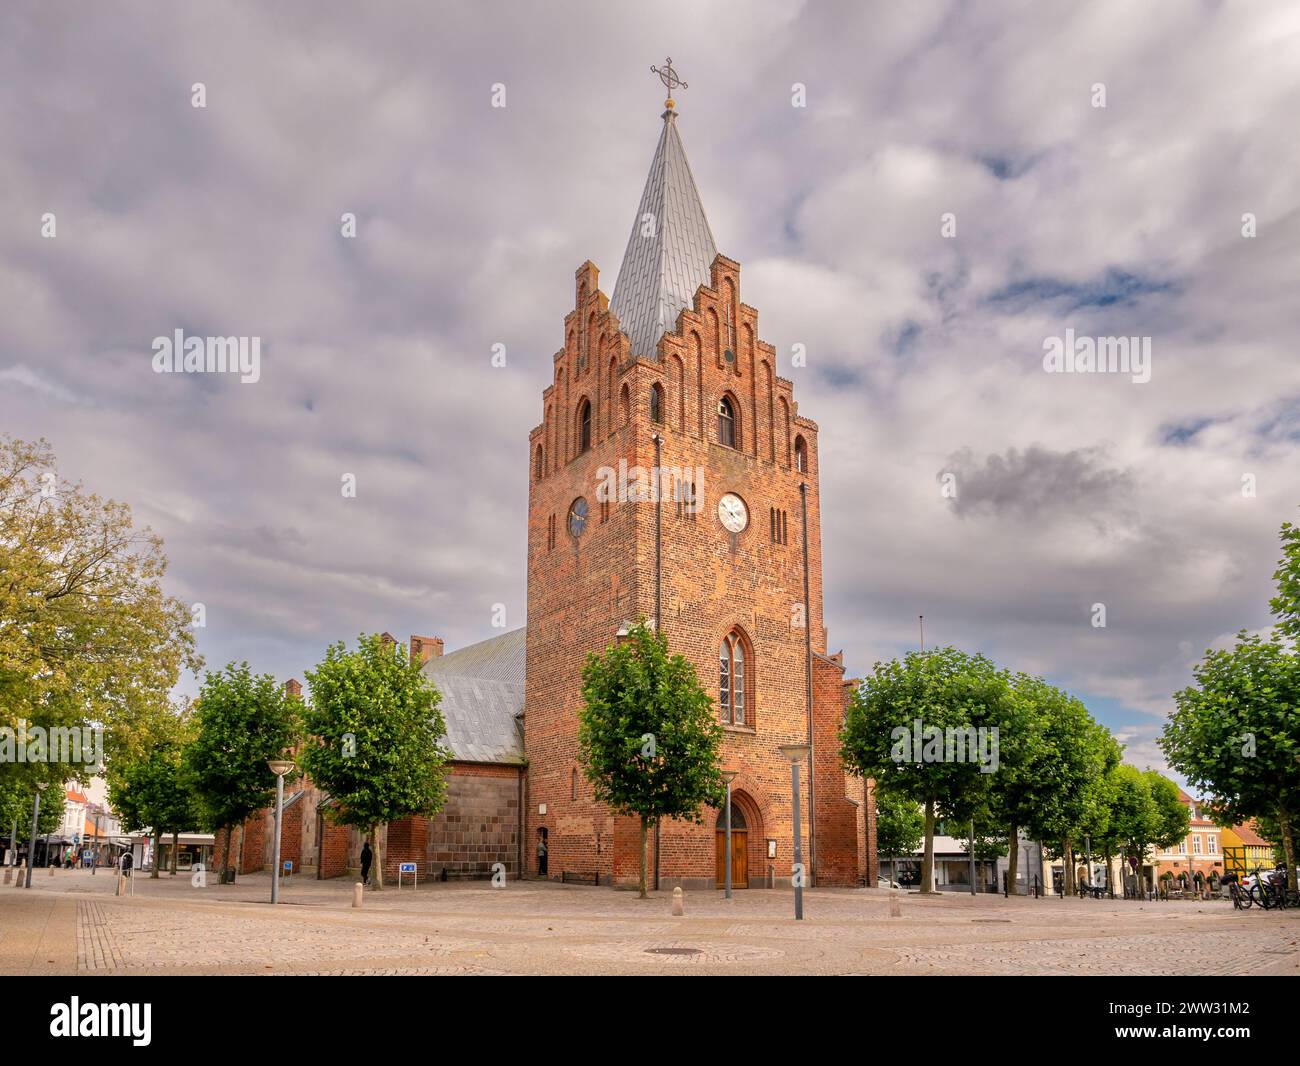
1110 881
157 855
377 867
1067 868
225 853
643 847
927 859
175 849
1288 846
1013 860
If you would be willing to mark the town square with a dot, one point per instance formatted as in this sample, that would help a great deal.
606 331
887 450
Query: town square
167 927
727 488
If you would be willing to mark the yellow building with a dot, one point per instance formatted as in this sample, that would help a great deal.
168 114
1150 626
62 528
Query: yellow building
1244 849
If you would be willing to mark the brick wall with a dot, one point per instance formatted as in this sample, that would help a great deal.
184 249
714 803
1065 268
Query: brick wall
581 589
477 827
336 850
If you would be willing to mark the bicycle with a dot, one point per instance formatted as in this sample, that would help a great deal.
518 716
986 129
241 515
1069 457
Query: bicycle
1268 890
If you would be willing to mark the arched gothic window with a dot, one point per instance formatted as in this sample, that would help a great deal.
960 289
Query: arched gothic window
733 690
801 455
656 403
726 423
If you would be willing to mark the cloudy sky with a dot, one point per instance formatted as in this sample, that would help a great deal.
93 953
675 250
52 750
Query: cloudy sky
925 352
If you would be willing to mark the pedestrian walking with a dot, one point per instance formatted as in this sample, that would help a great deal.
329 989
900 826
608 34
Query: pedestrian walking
366 857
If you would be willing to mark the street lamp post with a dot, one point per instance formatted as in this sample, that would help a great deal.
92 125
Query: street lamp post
728 776
279 767
94 851
1028 852
795 753
31 849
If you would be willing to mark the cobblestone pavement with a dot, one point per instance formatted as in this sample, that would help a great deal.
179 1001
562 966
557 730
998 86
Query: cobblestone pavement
73 923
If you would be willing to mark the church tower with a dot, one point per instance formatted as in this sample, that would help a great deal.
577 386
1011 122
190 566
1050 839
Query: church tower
671 374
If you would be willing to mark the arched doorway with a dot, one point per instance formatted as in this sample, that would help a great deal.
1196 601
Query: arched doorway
740 830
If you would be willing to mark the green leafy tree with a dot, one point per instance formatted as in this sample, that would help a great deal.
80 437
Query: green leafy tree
1095 827
1145 812
88 638
1235 734
1078 753
1172 820
924 696
1130 814
648 737
900 826
1046 783
1286 604
240 722
375 719
156 791
17 794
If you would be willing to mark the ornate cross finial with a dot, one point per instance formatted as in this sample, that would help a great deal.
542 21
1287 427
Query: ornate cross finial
670 79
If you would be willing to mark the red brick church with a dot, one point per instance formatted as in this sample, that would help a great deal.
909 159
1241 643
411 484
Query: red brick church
669 374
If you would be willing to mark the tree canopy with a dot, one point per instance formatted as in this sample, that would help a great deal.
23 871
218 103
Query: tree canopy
904 724
375 725
241 721
1235 733
648 738
87 635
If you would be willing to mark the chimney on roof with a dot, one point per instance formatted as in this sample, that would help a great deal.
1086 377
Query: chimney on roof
293 688
425 648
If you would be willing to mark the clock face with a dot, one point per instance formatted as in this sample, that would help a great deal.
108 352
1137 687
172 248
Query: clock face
732 513
577 517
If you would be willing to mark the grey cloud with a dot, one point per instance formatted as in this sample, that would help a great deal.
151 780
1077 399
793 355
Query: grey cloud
1037 484
471 221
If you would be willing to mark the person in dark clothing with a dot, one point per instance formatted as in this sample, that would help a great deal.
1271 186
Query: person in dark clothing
366 857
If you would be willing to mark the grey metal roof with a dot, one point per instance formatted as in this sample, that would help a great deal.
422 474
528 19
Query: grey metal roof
664 263
482 688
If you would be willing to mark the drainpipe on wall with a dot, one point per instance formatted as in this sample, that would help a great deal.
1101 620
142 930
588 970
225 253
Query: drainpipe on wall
659 561
808 693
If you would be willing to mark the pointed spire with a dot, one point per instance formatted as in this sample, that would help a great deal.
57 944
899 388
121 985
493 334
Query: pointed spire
670 250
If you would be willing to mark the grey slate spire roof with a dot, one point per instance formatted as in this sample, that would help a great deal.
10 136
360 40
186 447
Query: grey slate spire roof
662 269
482 688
